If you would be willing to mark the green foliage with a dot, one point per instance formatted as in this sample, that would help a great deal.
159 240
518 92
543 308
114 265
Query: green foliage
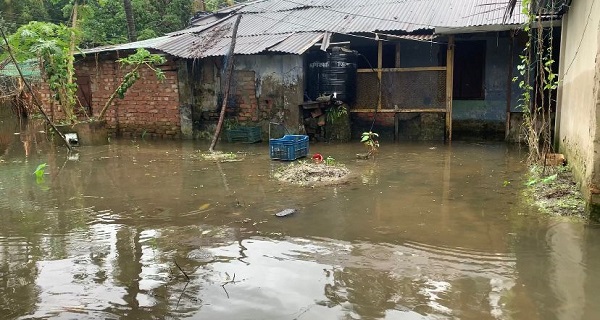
103 21
370 140
330 161
141 57
40 170
49 44
19 12
214 5
536 79
335 113
39 173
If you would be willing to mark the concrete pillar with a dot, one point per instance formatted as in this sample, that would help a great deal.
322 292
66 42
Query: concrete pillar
594 190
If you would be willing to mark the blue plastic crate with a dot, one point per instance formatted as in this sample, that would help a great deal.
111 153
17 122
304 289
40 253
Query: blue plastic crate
290 147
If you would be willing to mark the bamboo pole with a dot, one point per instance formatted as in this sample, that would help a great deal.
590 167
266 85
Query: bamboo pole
35 99
379 70
228 73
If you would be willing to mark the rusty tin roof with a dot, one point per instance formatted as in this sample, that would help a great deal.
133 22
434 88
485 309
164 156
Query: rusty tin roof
293 26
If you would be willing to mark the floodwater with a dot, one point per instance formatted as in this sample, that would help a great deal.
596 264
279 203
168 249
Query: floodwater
425 231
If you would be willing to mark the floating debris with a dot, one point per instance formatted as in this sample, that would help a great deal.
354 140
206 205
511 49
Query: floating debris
304 173
219 156
285 212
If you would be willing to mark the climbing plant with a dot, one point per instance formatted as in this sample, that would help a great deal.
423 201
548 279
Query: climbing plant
537 80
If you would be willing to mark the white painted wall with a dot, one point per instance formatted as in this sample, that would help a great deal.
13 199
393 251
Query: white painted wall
577 105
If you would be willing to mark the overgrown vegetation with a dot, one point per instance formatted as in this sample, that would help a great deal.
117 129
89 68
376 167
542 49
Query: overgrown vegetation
554 191
537 81
104 21
49 44
551 188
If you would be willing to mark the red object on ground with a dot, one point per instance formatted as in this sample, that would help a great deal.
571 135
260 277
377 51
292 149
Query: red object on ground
317 157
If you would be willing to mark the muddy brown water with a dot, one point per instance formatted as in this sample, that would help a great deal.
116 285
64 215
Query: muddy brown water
425 231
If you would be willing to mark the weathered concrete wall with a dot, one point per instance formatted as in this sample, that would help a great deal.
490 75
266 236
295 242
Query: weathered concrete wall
579 96
150 106
265 88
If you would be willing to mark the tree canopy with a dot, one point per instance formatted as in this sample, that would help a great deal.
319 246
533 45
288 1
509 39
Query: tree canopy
104 21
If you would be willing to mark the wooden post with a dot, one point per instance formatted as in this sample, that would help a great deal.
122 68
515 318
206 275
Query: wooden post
397 65
509 84
449 86
397 61
228 74
379 68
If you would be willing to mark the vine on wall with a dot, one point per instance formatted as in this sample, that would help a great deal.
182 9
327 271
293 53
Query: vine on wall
537 81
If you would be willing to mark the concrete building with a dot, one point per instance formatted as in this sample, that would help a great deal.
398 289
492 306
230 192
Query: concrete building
424 68
578 112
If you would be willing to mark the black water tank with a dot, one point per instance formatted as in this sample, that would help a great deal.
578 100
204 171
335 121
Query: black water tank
317 61
332 72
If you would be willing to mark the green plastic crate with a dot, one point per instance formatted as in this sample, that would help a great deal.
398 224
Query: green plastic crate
244 134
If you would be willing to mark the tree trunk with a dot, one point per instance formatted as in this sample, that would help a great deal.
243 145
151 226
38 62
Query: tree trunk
131 33
68 101
228 70
199 5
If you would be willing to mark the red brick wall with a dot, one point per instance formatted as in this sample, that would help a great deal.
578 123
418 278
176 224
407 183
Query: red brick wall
149 106
246 96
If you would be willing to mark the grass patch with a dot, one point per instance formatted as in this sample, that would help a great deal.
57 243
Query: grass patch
555 192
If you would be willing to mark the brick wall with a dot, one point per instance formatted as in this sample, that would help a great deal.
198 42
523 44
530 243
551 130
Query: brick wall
384 124
246 95
411 126
150 106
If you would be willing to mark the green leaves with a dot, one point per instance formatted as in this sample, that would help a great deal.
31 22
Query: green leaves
369 139
40 170
141 57
39 176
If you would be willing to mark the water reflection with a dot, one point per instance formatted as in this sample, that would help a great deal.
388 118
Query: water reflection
424 232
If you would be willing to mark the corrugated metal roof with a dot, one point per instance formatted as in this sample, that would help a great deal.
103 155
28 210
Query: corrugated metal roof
298 42
387 15
293 25
148 44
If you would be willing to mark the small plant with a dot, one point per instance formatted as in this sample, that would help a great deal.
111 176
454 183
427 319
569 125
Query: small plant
369 139
330 161
335 113
39 173
40 170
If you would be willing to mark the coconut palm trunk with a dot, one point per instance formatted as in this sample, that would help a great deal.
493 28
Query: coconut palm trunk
131 33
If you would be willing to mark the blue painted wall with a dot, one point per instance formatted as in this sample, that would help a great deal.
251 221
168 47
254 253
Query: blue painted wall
497 60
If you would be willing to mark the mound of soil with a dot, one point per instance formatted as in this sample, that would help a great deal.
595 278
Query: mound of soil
311 174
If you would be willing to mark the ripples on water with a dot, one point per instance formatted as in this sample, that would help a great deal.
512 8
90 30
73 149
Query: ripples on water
419 233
